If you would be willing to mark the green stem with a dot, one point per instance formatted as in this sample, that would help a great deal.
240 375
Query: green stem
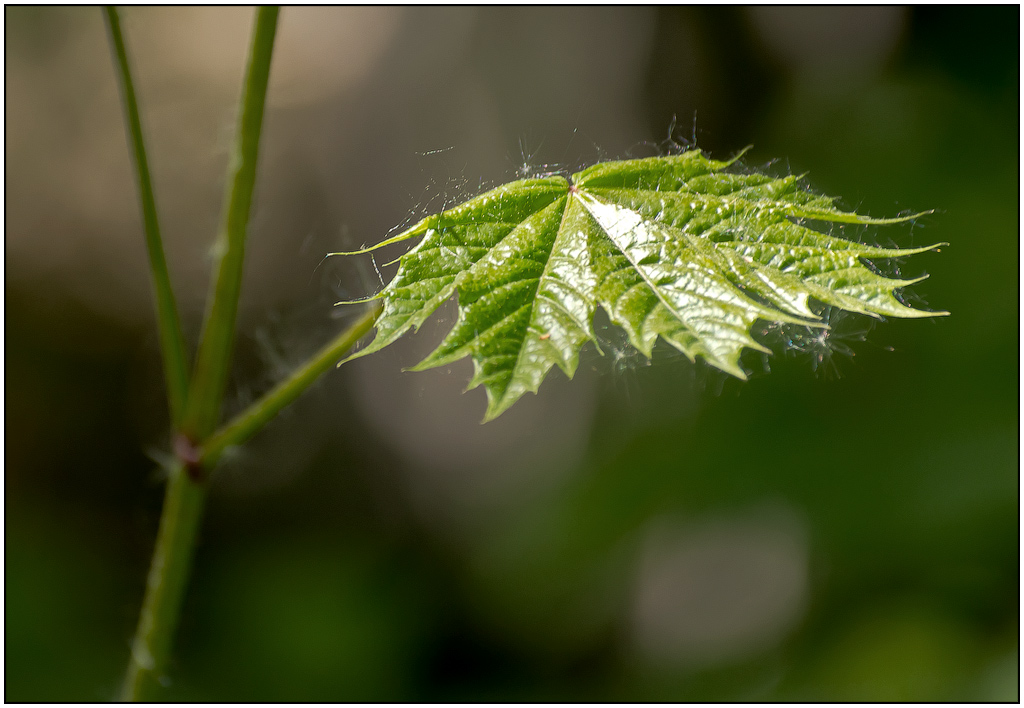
212 361
183 505
199 403
172 343
250 421
165 586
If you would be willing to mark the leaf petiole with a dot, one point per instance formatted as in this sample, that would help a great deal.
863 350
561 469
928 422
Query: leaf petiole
251 420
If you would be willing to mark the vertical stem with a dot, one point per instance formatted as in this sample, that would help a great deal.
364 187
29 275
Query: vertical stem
186 492
165 585
212 361
172 343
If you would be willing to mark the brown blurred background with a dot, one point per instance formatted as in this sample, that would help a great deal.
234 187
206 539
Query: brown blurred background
649 531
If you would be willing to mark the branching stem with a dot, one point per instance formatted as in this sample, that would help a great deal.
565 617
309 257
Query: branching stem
183 505
194 415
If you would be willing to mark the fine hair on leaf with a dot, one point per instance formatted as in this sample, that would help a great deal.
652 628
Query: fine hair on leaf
680 248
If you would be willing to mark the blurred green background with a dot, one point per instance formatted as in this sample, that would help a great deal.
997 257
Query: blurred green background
647 532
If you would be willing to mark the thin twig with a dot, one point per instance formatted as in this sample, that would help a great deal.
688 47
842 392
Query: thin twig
172 343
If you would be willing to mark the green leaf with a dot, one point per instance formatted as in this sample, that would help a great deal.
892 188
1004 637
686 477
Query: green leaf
672 247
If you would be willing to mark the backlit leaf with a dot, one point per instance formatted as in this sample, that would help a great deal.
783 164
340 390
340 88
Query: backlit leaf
673 247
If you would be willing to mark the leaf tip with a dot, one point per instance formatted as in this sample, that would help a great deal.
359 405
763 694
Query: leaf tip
358 301
495 407
732 160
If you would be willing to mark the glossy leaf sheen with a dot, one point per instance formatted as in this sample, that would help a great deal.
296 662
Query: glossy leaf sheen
670 247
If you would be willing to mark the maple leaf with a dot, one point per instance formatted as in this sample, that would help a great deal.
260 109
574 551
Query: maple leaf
672 247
